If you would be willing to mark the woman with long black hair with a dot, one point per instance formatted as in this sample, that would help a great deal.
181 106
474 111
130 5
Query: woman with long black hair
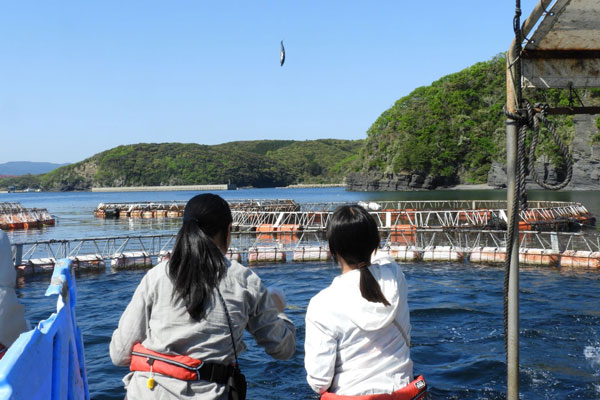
358 329
182 331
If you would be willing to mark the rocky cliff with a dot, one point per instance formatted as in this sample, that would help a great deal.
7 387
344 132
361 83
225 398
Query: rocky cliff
586 156
374 182
586 169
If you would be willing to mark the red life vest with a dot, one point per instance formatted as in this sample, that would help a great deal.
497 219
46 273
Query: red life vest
180 367
416 390
2 350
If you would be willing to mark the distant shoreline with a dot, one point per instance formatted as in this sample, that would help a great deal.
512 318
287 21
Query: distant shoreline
312 185
163 188
466 186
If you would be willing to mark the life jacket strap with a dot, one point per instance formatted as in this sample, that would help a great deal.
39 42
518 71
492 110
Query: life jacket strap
416 390
180 367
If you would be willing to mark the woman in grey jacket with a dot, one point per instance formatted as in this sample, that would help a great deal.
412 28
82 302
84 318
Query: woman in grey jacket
182 307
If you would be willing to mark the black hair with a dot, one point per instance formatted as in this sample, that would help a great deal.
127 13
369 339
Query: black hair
197 264
353 235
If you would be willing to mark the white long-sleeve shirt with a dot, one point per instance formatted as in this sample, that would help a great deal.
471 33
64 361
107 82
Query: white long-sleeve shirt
352 346
162 324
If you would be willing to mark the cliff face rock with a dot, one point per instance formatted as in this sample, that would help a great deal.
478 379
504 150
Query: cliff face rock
546 171
586 169
586 166
380 182
497 175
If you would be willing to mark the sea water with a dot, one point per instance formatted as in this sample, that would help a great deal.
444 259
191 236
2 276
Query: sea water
456 308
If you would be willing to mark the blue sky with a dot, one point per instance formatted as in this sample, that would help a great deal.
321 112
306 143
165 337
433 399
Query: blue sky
81 77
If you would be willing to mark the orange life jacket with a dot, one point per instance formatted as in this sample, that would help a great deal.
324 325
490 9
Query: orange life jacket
416 390
180 367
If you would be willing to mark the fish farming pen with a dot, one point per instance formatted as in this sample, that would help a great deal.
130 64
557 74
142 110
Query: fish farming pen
564 249
174 209
289 215
543 215
14 216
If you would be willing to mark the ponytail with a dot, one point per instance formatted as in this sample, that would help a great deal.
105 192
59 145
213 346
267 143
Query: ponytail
197 264
353 235
370 289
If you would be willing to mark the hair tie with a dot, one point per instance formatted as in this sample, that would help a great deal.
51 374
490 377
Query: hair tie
362 264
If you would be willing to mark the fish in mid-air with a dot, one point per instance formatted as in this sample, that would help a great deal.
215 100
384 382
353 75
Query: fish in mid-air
282 54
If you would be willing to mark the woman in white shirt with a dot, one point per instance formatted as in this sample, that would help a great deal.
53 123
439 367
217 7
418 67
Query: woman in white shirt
358 329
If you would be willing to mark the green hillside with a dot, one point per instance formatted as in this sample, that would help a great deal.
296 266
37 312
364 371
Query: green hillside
255 163
453 128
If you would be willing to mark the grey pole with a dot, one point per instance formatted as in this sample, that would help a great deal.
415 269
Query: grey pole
18 254
512 339
512 355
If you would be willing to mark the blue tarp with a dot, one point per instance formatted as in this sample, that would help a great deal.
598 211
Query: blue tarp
48 361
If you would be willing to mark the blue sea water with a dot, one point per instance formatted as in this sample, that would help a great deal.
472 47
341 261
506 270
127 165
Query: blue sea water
456 308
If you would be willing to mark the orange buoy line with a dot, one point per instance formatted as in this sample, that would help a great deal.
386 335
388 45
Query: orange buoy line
174 209
405 217
14 216
552 249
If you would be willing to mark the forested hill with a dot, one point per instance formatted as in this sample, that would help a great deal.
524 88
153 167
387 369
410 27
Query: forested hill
449 132
451 127
260 163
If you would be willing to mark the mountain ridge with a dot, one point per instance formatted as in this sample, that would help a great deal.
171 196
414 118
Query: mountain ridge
17 168
256 163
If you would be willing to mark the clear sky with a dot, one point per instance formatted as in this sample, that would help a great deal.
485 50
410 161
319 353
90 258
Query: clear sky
81 77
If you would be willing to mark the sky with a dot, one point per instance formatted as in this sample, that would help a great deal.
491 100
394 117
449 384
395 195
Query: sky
81 77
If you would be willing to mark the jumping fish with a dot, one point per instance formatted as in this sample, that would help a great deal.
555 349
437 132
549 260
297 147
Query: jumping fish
282 54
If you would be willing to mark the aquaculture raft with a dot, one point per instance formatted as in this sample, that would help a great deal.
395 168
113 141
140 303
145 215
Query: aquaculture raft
14 216
555 249
267 231
411 215
174 209
286 214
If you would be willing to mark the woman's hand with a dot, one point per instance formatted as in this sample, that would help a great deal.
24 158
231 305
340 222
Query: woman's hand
278 298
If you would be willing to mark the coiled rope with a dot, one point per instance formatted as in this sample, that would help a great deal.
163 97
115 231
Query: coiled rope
564 151
529 120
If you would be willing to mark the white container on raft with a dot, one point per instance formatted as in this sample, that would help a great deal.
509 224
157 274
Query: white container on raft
585 259
538 257
87 262
234 255
133 259
403 253
36 266
488 255
443 253
265 254
311 253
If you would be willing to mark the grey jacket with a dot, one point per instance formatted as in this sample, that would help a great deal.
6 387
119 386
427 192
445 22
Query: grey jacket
161 323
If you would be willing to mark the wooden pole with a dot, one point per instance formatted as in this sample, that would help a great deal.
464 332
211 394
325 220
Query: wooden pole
512 340
512 105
